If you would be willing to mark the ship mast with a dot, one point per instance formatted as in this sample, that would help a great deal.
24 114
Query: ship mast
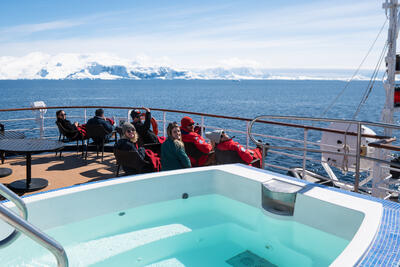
389 83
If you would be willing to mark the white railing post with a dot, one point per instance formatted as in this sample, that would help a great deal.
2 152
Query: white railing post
41 126
247 135
358 150
202 126
164 123
305 152
84 115
263 156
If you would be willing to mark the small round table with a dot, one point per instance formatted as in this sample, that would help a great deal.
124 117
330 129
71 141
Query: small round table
11 135
27 147
4 172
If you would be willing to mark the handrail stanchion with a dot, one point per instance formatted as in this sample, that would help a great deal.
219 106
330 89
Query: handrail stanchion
21 225
84 115
42 127
263 157
202 126
247 135
35 234
305 152
164 123
358 149
14 198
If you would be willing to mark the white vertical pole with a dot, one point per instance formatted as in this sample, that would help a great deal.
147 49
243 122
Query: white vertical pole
247 135
389 83
305 152
164 124
202 126
358 150
41 124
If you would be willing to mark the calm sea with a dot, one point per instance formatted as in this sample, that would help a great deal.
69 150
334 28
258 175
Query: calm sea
232 98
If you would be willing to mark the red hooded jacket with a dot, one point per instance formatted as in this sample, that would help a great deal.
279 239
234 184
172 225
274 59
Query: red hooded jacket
200 144
235 146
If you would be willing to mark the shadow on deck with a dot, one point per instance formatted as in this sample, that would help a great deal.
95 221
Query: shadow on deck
70 169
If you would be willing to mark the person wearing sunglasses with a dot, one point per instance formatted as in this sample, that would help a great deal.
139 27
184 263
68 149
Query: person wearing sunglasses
71 128
173 154
143 128
198 150
128 142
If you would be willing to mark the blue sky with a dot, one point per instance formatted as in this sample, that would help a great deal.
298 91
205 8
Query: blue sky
198 34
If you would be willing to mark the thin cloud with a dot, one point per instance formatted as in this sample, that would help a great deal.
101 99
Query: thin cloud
32 28
26 29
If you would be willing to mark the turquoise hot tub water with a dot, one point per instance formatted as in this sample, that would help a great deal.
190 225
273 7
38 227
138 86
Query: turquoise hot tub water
209 230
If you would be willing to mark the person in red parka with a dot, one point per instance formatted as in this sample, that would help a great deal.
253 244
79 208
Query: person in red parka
196 147
221 141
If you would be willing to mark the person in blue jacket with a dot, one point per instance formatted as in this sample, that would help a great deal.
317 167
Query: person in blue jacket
100 119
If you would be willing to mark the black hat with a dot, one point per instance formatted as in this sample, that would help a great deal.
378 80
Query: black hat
135 113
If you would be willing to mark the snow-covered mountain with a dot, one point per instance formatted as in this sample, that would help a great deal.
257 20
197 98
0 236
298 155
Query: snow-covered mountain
103 66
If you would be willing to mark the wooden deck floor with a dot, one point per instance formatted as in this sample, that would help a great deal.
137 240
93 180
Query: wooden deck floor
70 169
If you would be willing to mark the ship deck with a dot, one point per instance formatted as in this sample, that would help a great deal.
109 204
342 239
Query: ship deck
68 170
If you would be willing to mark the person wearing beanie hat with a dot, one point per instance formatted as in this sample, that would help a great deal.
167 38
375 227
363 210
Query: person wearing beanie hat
222 142
187 122
214 136
196 147
147 136
128 142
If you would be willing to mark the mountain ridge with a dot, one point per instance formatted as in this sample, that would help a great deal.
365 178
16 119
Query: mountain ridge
101 66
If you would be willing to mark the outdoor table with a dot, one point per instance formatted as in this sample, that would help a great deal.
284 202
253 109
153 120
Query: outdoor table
27 147
9 135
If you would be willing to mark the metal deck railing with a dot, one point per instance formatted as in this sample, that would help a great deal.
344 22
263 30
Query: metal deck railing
302 150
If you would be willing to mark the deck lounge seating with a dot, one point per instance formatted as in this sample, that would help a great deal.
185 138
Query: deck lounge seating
229 156
155 147
192 151
74 136
98 134
131 162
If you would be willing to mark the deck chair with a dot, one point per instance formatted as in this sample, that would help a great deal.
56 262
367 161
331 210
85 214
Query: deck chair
98 134
131 162
229 157
192 151
155 147
74 136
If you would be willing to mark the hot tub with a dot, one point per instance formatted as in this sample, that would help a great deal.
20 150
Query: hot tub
210 216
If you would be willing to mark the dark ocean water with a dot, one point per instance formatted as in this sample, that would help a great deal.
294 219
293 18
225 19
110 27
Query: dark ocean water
232 98
235 98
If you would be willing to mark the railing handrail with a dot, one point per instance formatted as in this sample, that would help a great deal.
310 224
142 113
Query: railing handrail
243 119
305 149
21 225
265 119
14 198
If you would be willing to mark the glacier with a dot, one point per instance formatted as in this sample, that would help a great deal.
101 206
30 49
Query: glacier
40 65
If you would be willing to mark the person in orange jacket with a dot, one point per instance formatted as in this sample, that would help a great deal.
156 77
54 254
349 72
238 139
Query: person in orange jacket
222 141
196 147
